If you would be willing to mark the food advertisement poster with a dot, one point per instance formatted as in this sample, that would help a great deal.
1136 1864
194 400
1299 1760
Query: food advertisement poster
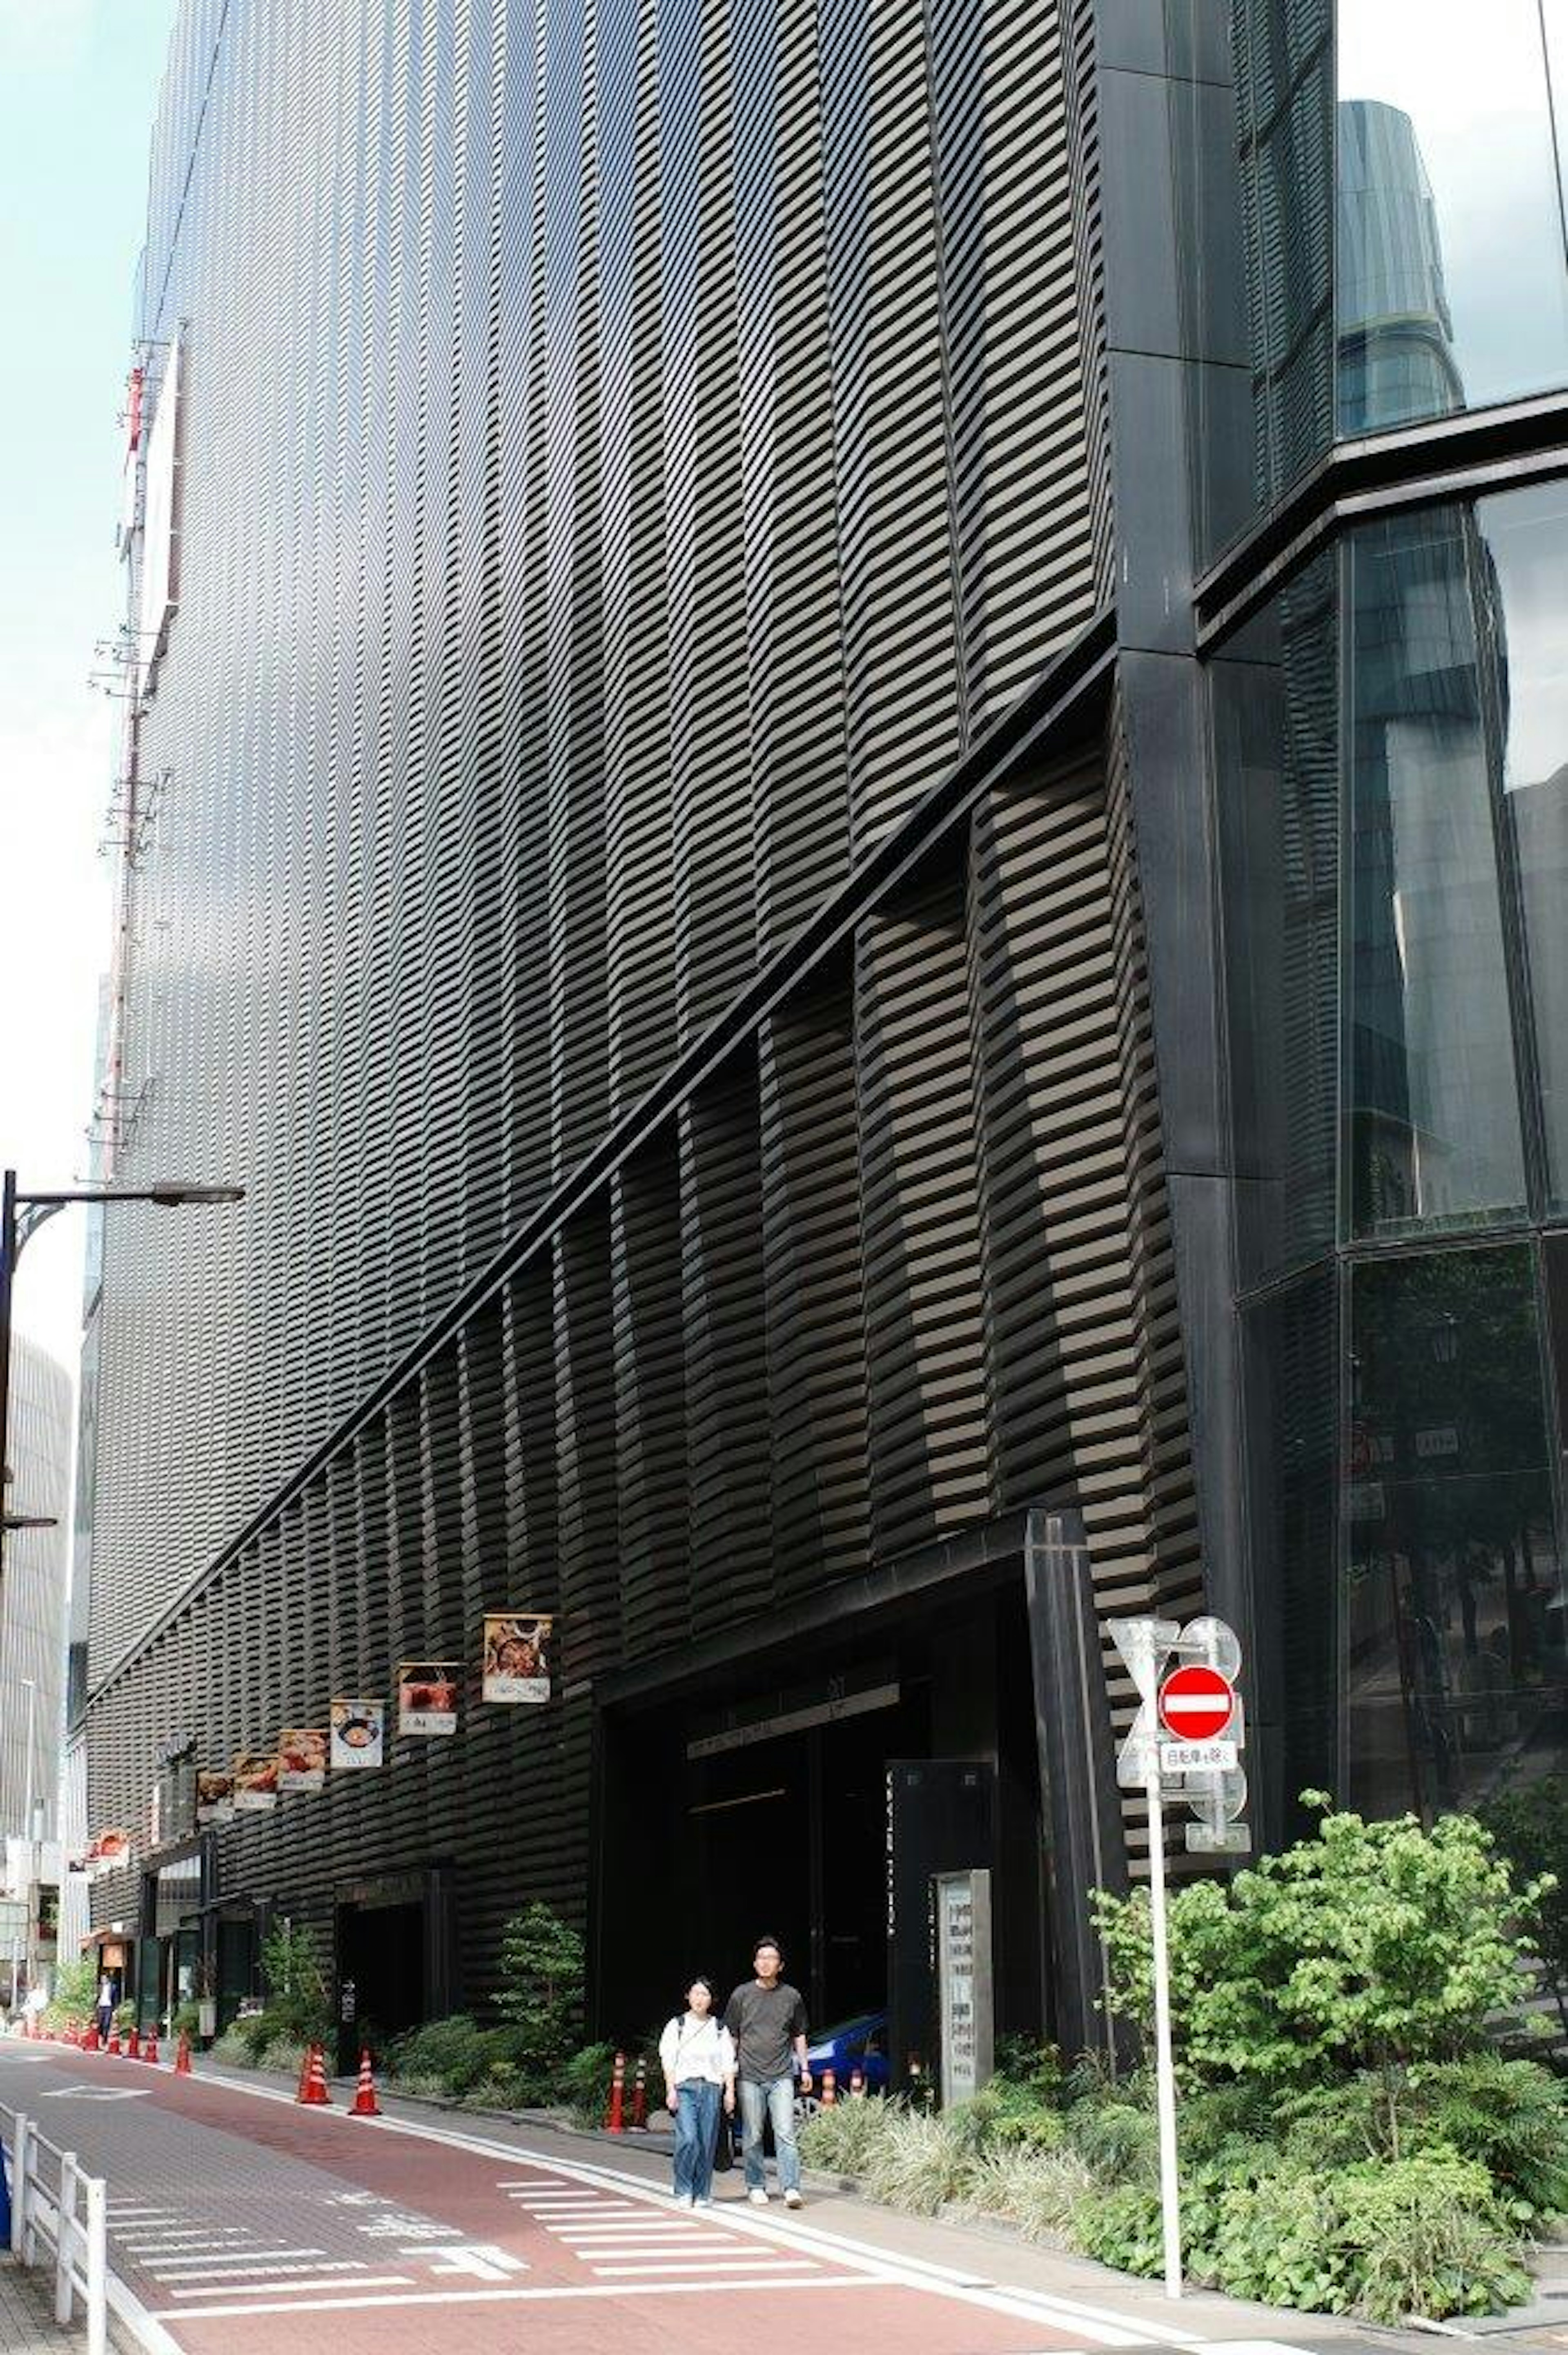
427 1696
517 1657
215 1798
254 1782
105 1853
301 1758
358 1734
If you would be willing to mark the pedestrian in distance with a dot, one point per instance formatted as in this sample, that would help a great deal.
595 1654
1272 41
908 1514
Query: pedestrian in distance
697 2056
105 2005
766 2019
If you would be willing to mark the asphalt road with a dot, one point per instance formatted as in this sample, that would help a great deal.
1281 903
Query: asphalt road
241 2223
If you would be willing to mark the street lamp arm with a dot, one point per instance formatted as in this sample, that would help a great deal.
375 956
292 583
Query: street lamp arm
32 1212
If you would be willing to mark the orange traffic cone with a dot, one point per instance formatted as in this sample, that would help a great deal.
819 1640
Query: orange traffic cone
616 2122
364 2104
640 2095
91 2042
133 2047
857 2084
114 2044
830 2088
150 2049
314 2090
182 2056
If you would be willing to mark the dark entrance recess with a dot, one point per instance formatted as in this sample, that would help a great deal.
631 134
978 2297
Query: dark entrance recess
745 1806
393 1950
743 1788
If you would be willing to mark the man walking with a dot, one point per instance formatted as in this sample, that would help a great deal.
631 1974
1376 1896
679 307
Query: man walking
766 2019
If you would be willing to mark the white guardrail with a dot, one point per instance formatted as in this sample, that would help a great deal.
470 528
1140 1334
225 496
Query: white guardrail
62 2220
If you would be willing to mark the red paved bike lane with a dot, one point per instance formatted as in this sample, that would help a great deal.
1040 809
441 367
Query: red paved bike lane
246 2225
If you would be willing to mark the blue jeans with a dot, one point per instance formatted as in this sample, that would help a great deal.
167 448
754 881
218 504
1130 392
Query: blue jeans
775 2100
696 2130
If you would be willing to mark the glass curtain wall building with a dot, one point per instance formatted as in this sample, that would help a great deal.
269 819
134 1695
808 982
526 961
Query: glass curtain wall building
1391 736
853 820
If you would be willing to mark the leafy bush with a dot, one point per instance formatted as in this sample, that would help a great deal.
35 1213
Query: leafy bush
1512 2117
296 1983
1038 2190
541 1997
583 2084
919 2162
1427 2238
285 2052
1115 2136
1531 1827
1121 2228
74 1995
1375 1945
232 2050
186 2021
1009 2110
455 2051
841 2140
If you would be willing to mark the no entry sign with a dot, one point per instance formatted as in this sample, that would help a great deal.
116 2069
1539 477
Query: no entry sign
1196 1703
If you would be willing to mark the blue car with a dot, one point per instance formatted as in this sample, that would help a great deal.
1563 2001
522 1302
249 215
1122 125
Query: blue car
860 2043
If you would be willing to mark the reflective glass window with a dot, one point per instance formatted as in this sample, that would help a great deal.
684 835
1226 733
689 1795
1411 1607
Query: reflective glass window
1290 1357
1455 1671
1525 537
1433 1133
1451 285
1277 762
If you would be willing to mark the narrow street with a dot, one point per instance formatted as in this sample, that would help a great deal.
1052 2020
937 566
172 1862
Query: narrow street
233 2212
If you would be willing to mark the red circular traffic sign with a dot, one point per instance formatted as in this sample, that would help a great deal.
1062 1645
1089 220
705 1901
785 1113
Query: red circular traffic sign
1196 1703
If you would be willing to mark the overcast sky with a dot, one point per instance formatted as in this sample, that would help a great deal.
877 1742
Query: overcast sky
78 83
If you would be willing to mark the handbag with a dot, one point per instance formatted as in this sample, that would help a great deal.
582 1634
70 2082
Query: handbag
724 2142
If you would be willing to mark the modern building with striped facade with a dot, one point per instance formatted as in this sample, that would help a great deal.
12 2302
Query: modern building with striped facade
740 817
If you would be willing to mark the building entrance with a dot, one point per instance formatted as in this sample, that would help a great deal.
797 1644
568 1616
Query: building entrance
742 1805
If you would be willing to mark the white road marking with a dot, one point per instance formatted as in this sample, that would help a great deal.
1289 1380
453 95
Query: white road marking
480 2258
792 2282
654 2268
252 2260
868 2263
264 2289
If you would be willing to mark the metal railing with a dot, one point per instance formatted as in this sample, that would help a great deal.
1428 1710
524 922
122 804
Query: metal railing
62 2222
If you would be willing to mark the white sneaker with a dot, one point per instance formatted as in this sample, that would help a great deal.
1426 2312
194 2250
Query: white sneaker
702 2203
684 2200
793 2199
757 2198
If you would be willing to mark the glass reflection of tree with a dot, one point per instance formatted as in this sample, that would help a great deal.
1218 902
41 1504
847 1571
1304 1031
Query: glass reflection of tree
1446 1376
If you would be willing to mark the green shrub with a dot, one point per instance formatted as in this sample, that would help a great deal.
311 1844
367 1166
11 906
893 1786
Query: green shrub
842 2140
419 2086
296 1983
232 2050
583 2084
919 2163
1509 2116
1038 2190
541 1997
1427 2239
186 2021
1121 2228
257 2031
285 2053
1009 2110
451 2050
1116 2137
1375 1945
1277 2240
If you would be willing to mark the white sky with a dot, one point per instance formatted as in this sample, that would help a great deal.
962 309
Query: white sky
79 82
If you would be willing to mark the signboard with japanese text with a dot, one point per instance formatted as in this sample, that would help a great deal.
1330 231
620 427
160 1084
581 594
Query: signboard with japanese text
301 1758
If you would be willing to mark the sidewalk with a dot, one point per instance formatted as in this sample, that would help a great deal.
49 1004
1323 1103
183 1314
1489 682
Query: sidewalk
980 2255
27 2325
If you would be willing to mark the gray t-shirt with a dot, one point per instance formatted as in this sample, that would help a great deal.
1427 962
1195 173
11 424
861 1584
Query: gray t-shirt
764 2021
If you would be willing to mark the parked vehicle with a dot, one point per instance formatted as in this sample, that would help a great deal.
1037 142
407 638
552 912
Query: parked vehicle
859 2044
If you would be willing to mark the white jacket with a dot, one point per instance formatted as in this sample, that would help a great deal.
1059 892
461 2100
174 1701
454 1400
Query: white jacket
692 2047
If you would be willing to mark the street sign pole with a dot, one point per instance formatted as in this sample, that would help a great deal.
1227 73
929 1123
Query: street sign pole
1164 2062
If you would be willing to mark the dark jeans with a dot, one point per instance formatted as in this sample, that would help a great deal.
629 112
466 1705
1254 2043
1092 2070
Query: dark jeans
696 2129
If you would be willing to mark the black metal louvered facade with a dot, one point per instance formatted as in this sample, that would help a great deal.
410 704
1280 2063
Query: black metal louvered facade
670 882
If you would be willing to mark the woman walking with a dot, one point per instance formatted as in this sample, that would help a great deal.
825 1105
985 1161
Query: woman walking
698 2056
